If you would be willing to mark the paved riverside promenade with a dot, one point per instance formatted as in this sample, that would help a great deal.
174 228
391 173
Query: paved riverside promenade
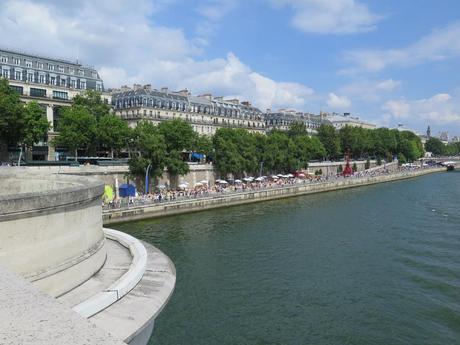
154 210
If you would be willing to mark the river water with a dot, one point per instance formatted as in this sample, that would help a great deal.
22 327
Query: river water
372 265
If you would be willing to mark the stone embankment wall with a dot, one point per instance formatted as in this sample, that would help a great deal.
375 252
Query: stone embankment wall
192 205
198 172
51 228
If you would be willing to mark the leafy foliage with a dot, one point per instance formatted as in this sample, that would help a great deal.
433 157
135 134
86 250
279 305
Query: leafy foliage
19 123
77 129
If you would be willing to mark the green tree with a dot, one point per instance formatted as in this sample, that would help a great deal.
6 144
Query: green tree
435 146
151 150
228 159
340 169
401 158
330 140
297 128
92 101
112 133
77 129
178 136
367 165
11 115
202 144
36 125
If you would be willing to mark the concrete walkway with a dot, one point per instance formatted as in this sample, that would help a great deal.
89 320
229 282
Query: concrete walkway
142 289
30 317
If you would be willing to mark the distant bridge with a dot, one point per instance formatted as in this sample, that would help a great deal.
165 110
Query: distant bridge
448 162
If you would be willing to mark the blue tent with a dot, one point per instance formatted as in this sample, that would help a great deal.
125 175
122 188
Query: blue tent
127 190
198 156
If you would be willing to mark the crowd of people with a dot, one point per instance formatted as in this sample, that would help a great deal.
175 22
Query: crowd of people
225 187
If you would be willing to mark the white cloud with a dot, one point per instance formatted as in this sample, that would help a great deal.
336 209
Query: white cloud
330 16
212 12
439 109
370 90
338 102
126 47
439 45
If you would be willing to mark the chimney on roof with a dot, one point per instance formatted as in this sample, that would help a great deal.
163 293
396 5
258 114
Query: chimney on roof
208 96
164 89
137 87
184 92
148 87
246 103
219 98
234 101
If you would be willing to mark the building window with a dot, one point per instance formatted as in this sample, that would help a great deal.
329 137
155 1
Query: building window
82 85
60 95
71 70
40 65
81 72
28 63
53 80
3 59
16 61
18 75
61 69
30 77
37 92
50 67
41 78
94 75
73 83
6 73
18 89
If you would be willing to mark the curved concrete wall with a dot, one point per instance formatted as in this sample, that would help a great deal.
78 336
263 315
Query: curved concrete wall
51 229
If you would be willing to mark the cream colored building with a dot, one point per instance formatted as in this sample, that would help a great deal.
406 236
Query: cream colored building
205 113
345 119
53 83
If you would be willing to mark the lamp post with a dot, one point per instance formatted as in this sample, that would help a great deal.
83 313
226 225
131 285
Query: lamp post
147 179
261 168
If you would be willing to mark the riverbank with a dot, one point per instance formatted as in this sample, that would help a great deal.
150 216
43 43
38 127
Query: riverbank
112 216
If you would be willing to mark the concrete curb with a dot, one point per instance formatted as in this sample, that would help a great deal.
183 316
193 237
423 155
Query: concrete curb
125 283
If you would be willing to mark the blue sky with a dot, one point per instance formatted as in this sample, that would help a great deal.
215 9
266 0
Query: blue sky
386 61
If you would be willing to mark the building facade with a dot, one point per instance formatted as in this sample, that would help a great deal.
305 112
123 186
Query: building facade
51 82
345 119
205 113
283 119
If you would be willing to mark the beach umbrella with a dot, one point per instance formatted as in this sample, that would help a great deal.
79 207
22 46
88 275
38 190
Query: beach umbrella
259 179
223 182
198 184
290 175
280 175
203 182
247 179
274 177
183 185
161 186
238 181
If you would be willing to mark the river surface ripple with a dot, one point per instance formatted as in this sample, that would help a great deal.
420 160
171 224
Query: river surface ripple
372 265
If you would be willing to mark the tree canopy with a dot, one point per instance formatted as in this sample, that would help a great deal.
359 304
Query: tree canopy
20 123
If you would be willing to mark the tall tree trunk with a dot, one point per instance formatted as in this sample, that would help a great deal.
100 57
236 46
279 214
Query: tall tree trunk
76 153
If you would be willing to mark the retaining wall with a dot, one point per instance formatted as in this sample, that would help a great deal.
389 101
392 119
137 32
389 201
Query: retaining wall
192 205
51 229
